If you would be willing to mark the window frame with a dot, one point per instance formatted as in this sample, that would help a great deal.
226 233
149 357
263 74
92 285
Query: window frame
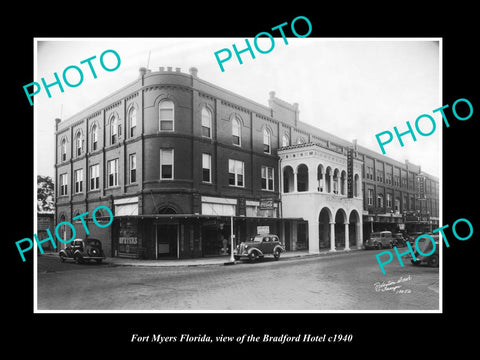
132 128
78 189
134 168
236 173
63 149
160 120
238 128
95 170
162 151
115 174
78 143
269 180
64 184
209 168
113 130
94 137
209 117
267 147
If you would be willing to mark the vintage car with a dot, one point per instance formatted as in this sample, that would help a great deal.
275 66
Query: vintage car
259 246
425 245
399 240
379 240
81 250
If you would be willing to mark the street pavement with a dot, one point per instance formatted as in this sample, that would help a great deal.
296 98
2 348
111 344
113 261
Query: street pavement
350 281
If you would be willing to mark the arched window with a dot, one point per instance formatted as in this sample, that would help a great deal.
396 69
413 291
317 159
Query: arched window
380 200
166 115
113 130
285 140
94 137
78 143
236 132
300 140
63 149
266 141
206 123
132 121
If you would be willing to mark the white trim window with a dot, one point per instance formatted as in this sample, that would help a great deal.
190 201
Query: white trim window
132 164
285 140
389 200
113 130
236 132
132 121
236 173
78 176
63 184
78 143
267 178
166 116
94 177
166 164
112 167
267 141
370 197
206 168
63 149
206 123
94 137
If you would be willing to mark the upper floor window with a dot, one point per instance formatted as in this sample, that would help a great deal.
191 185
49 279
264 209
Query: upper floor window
63 149
94 177
63 184
113 131
266 141
78 143
300 140
166 163
132 161
166 115
267 178
380 200
236 132
132 121
112 167
285 140
236 172
206 168
94 137
370 197
78 174
206 123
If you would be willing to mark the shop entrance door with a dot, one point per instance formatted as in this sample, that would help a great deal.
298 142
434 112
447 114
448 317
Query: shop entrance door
167 241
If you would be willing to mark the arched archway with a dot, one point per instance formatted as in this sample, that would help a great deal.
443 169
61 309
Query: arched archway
340 232
288 181
355 229
324 221
302 178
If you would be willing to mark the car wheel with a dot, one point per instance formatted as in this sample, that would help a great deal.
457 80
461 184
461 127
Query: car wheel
433 261
236 257
62 257
276 254
78 259
379 246
416 263
253 256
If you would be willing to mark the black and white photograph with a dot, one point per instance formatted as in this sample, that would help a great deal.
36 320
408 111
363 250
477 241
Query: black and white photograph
213 182
191 163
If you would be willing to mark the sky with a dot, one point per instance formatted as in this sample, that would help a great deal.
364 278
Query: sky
351 88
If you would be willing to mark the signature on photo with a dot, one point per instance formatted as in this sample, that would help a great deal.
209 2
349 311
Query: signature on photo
393 285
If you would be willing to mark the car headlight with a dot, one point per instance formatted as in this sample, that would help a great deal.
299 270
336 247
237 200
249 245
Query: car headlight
246 247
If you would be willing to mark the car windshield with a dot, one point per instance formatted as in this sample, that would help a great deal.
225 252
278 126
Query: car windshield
93 242
375 234
257 238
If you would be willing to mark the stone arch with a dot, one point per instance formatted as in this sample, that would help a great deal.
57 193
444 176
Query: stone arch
288 179
341 221
302 178
354 229
325 218
168 208
328 179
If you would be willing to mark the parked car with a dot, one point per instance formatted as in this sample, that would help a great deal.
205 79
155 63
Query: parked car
399 240
425 245
379 240
258 246
81 250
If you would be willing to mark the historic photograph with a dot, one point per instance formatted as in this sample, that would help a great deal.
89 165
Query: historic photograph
269 174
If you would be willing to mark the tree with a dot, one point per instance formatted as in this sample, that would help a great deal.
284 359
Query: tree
45 193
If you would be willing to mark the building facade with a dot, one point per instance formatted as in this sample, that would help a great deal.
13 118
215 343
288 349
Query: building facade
179 161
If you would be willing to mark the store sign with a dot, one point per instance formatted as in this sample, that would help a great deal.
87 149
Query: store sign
421 187
263 229
127 245
350 172
266 204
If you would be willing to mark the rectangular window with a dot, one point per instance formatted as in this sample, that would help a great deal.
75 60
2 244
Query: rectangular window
78 175
132 160
166 163
112 166
207 168
370 197
236 170
63 184
94 177
166 115
389 200
267 178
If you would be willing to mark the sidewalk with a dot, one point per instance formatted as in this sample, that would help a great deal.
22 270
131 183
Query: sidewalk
209 261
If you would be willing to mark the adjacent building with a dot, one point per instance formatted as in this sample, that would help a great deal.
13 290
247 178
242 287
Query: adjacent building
179 161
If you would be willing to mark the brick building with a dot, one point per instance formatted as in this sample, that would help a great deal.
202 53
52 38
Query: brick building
177 159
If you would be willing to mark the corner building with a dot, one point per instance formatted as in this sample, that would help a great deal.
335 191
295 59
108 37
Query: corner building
179 160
